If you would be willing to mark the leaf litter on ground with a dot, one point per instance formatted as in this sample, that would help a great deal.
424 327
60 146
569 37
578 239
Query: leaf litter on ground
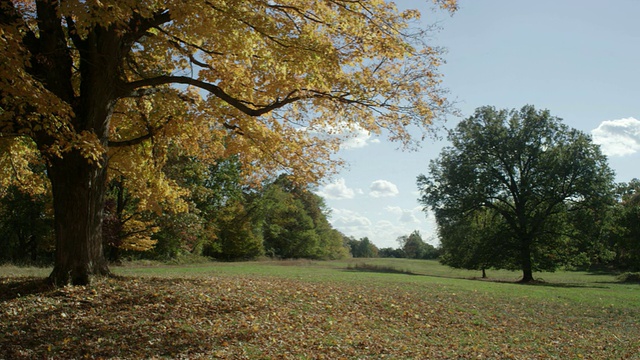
258 317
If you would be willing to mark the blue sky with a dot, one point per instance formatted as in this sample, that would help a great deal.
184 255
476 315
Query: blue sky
578 58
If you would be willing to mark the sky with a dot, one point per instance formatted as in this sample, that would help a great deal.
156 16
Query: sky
580 59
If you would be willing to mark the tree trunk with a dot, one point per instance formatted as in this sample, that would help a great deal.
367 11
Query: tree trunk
527 271
78 187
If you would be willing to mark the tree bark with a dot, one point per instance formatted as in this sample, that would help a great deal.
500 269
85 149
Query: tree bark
527 271
78 187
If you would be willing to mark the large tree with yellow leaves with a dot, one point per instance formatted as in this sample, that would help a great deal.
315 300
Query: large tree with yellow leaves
88 86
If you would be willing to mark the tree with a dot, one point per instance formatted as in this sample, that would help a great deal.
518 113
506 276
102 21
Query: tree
123 226
625 226
86 84
529 168
240 233
390 252
414 247
362 248
477 241
291 218
25 228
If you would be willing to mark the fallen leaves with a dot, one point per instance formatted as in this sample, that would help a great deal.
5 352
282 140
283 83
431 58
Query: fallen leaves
252 317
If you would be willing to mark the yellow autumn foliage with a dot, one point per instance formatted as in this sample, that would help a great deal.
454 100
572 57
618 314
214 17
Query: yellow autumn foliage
138 235
123 82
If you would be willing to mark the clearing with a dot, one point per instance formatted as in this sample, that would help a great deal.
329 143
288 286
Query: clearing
352 309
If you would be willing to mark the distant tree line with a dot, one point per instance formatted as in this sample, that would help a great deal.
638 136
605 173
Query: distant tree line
226 220
410 246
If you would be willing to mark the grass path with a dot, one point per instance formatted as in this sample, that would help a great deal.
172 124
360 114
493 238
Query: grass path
317 310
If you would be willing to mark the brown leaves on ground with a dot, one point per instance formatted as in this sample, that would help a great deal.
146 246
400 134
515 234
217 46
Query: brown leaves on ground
272 318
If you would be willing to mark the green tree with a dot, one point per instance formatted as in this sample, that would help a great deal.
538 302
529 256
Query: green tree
92 83
216 198
625 226
529 168
390 252
414 247
295 223
26 228
362 248
178 234
239 232
477 241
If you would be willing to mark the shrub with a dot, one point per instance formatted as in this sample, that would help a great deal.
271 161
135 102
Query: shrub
629 277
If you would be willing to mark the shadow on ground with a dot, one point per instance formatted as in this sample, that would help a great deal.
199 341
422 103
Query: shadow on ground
12 288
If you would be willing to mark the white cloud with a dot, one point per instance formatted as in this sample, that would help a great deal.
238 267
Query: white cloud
349 221
405 216
337 190
351 136
384 232
383 188
618 137
354 138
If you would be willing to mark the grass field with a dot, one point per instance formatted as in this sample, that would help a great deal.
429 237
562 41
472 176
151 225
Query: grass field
352 309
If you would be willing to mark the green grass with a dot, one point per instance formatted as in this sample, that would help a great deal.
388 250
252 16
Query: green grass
350 309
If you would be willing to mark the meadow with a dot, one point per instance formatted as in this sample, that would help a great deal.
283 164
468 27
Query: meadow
351 309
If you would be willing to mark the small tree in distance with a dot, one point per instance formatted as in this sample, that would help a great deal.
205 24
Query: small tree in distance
413 247
529 169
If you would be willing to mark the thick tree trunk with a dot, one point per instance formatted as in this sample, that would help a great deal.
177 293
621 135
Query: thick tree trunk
78 187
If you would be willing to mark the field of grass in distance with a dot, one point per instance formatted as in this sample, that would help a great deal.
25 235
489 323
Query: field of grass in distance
351 309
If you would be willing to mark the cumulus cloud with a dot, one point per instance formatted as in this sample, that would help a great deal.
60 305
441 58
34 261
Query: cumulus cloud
350 221
384 232
351 136
405 216
618 137
355 138
383 188
337 190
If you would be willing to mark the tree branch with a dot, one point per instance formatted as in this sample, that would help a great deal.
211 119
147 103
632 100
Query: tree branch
135 141
215 90
131 142
140 26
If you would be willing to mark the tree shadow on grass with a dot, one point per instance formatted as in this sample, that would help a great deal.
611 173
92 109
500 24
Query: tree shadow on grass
12 288
118 318
364 267
542 283
378 269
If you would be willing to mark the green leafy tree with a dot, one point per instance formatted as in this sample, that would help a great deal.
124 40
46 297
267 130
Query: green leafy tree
26 228
527 167
390 252
362 248
295 223
477 241
413 247
216 197
178 234
625 227
239 232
